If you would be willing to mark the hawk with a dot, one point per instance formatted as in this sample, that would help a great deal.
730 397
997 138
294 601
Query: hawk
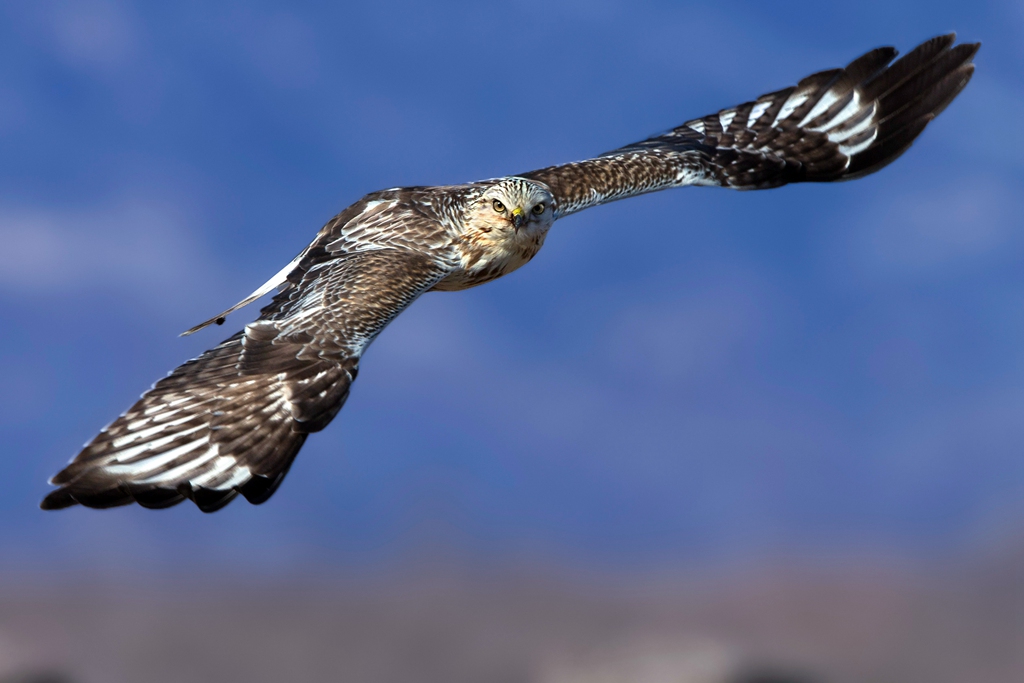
232 420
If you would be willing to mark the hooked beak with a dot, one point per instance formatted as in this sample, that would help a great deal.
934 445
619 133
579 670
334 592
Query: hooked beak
518 217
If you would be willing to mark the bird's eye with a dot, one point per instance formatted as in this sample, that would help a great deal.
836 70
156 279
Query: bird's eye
498 206
539 209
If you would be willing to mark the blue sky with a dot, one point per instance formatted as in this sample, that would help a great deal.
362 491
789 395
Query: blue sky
823 369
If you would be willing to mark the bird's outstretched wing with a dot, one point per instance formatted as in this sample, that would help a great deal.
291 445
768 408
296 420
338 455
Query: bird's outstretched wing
232 420
833 125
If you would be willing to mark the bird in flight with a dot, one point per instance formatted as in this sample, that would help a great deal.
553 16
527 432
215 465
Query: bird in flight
232 420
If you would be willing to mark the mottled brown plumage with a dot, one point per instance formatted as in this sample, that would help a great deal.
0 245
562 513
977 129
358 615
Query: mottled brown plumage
232 420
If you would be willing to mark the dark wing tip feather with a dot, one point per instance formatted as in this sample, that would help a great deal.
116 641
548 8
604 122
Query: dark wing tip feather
259 489
58 500
157 498
207 500
882 154
90 496
958 80
869 64
910 94
63 477
909 63
931 100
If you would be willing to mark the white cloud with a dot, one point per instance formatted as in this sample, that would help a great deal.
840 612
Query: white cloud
986 110
932 233
421 342
139 246
14 111
932 230
688 337
95 34
103 40
281 46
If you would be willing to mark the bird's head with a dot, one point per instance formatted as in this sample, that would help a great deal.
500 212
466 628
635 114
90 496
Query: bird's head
516 204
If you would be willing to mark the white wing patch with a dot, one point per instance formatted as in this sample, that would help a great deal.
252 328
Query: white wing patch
221 466
856 126
689 176
757 112
846 113
181 470
853 128
794 102
859 143
826 101
273 283
136 468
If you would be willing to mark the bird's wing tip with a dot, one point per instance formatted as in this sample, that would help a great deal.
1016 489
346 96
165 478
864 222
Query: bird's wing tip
57 500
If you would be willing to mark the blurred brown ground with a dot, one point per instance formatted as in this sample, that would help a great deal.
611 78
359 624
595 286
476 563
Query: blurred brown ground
840 622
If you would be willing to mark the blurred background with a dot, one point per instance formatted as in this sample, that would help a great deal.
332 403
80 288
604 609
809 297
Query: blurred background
783 445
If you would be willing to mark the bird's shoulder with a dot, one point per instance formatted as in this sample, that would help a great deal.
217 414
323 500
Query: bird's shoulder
420 218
